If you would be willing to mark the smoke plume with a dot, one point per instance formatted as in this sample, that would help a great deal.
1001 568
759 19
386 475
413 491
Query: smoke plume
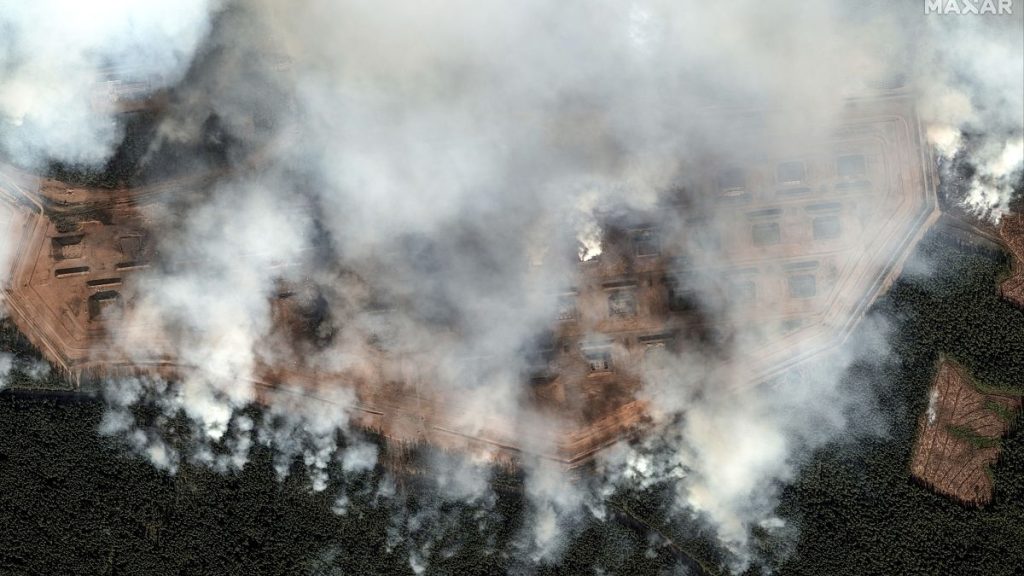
970 73
57 58
419 169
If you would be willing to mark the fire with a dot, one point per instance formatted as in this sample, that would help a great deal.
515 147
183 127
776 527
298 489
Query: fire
588 231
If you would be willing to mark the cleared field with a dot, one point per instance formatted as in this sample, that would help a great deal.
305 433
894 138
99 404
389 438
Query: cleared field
959 436
1011 230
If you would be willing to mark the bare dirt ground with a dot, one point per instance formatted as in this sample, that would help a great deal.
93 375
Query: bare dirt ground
80 252
71 274
1011 231
958 437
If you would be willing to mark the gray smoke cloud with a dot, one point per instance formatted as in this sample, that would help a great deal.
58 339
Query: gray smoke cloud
421 168
970 72
57 58
6 259
730 453
6 363
14 369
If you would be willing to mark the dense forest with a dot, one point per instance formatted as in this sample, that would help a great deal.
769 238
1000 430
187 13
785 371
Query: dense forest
21 366
122 169
74 502
143 156
857 509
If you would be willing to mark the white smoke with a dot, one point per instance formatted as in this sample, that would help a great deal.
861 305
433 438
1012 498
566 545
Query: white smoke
6 259
730 451
12 368
26 370
6 363
970 73
429 154
588 228
6 360
57 57
146 440
300 426
999 167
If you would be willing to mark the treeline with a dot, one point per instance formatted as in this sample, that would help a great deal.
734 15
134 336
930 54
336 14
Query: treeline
76 503
27 368
12 341
857 509
124 165
142 157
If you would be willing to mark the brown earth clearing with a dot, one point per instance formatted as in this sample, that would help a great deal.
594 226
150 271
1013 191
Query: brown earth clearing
959 437
1011 231
815 237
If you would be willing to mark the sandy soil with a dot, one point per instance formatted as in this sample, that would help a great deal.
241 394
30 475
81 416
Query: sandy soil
1011 230
958 438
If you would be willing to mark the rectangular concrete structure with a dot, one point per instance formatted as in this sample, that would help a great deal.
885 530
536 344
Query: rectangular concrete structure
814 236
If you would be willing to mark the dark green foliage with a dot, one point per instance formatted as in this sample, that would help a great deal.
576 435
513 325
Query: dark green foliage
72 503
857 509
971 437
75 503
70 221
123 167
14 342
28 369
1005 413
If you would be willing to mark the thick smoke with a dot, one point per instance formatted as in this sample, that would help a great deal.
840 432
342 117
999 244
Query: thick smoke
6 258
729 453
57 58
970 71
6 363
419 170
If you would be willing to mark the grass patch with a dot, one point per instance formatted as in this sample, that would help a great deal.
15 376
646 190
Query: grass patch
72 221
979 385
973 438
1005 413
